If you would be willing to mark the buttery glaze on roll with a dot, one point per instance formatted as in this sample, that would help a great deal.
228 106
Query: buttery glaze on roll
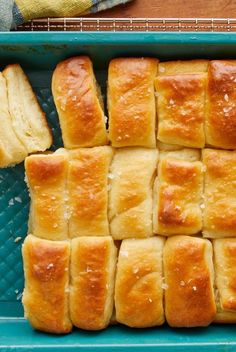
225 269
79 103
131 102
130 198
45 297
219 217
221 104
46 176
180 88
139 282
189 279
92 270
27 118
177 193
88 191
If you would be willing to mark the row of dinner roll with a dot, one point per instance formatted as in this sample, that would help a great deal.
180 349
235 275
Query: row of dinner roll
82 282
189 103
24 128
132 192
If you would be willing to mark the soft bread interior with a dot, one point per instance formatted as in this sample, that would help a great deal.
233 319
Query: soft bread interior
12 151
27 118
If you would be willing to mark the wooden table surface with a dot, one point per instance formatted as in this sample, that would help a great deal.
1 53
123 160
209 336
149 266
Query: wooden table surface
174 8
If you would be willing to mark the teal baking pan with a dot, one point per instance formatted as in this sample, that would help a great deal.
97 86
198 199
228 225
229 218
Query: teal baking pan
38 54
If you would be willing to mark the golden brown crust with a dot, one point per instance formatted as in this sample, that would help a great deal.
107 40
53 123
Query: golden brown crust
130 197
180 87
131 102
188 271
219 217
78 103
46 175
138 290
181 109
177 194
87 191
93 261
225 269
220 104
45 297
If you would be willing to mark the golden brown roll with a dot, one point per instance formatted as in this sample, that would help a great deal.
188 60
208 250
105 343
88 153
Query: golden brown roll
46 176
180 89
189 279
130 198
45 297
79 103
12 151
131 102
219 217
225 270
177 193
221 104
139 283
87 191
93 262
27 118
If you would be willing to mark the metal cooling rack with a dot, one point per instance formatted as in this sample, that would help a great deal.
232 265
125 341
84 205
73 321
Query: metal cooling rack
131 24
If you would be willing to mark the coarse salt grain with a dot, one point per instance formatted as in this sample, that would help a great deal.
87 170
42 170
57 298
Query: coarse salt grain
194 288
164 286
226 110
17 239
50 265
226 97
124 254
110 176
18 297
